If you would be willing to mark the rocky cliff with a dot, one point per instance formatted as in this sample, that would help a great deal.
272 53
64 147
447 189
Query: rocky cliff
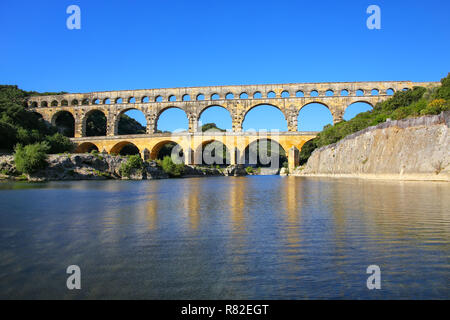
409 149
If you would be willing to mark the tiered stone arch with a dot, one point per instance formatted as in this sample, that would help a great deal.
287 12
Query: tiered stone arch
57 113
155 147
200 146
120 145
201 109
335 111
225 106
250 106
282 96
68 131
155 116
282 142
84 114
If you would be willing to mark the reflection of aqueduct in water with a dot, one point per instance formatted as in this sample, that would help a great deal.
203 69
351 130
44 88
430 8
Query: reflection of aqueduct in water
238 100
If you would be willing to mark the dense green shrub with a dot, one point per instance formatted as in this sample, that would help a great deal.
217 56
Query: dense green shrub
249 170
172 169
134 162
59 143
31 158
211 127
443 92
402 99
97 154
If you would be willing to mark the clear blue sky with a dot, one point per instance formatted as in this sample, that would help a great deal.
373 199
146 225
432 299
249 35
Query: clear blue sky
153 44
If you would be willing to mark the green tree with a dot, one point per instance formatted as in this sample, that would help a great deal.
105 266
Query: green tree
128 125
59 143
31 158
211 127
172 169
134 162
443 92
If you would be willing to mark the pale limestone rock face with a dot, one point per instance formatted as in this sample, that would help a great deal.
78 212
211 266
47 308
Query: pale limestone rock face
411 149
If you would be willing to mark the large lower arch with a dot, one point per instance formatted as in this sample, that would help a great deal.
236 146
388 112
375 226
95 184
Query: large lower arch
314 116
356 108
94 123
265 152
215 116
86 147
174 120
264 117
131 121
167 148
125 148
212 152
65 122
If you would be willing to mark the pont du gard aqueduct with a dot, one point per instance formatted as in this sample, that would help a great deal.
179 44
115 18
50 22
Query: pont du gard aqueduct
238 100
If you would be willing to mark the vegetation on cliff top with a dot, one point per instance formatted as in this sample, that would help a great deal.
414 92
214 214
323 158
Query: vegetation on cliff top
404 104
171 168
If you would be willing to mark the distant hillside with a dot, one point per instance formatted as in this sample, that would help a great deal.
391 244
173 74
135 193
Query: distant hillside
128 125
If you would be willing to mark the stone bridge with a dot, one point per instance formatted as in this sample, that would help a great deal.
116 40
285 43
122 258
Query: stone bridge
238 100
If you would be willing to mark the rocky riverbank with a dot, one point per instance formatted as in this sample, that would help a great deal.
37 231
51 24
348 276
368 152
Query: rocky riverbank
409 149
100 167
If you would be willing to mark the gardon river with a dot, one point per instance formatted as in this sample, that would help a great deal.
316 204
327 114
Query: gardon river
260 237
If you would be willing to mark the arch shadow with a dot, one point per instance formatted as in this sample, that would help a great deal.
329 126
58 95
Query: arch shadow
86 147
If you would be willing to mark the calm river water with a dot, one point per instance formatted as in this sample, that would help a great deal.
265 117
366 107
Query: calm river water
261 237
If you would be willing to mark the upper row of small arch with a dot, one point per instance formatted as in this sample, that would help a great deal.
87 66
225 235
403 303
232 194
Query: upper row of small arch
215 96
